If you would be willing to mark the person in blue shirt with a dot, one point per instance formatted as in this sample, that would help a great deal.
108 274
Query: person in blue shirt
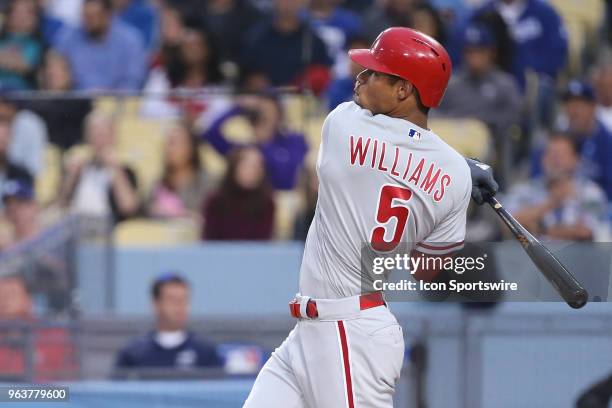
334 25
341 88
104 53
20 46
170 345
142 16
538 33
593 140
50 26
285 51
283 150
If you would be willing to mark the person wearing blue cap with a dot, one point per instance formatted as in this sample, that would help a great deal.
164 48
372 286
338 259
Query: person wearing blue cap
21 210
538 34
593 139
481 89
8 168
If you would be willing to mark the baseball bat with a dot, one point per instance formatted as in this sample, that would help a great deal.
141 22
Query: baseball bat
553 270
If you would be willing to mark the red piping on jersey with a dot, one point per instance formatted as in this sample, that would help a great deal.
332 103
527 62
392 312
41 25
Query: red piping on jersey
347 366
456 244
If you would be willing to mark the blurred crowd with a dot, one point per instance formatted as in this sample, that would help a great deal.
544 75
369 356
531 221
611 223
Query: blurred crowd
536 73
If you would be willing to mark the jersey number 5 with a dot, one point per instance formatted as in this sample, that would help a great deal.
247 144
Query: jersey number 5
386 210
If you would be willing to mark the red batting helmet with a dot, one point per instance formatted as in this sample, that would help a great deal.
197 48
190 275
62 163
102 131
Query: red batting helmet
413 56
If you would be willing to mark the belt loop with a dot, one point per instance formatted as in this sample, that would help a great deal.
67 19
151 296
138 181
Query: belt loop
303 302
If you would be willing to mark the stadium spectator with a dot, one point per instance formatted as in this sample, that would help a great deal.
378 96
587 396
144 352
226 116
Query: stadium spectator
50 26
100 185
100 49
494 22
602 81
171 29
8 169
140 15
21 210
453 11
20 46
53 356
184 183
284 38
69 12
341 88
493 94
194 65
63 116
230 21
335 25
283 151
383 14
538 33
561 204
428 20
170 345
28 136
243 207
592 137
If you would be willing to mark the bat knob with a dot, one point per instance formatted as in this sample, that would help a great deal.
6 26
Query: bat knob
579 299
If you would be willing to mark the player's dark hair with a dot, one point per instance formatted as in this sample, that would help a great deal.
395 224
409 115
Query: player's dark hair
166 279
424 109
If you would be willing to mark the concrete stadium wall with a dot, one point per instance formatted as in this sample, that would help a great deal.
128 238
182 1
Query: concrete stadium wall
521 355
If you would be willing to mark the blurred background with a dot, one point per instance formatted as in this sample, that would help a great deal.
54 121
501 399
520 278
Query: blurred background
157 182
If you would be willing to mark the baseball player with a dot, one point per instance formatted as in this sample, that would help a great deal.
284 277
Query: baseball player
385 178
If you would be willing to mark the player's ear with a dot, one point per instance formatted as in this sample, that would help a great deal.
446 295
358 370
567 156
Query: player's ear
404 90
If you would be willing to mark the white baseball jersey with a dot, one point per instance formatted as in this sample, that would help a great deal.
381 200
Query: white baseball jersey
382 180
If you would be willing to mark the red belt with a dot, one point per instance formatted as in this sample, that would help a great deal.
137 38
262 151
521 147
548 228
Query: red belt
366 301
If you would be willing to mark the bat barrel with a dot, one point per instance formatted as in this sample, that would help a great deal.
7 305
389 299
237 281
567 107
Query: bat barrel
553 270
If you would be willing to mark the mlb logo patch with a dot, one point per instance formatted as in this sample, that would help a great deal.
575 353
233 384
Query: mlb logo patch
414 134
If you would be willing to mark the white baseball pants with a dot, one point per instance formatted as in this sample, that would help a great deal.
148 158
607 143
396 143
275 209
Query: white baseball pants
345 358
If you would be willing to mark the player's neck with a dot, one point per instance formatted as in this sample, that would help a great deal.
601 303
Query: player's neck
414 116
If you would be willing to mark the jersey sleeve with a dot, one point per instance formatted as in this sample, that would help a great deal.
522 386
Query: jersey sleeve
449 235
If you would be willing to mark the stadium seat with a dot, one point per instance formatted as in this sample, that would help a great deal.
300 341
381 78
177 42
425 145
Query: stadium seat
288 203
140 145
238 130
470 137
48 182
144 232
77 152
124 106
213 162
582 19
294 110
313 131
108 104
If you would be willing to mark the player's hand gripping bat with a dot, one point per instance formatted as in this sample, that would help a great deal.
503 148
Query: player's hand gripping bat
553 270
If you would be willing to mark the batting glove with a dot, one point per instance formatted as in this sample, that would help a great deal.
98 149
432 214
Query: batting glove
484 185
